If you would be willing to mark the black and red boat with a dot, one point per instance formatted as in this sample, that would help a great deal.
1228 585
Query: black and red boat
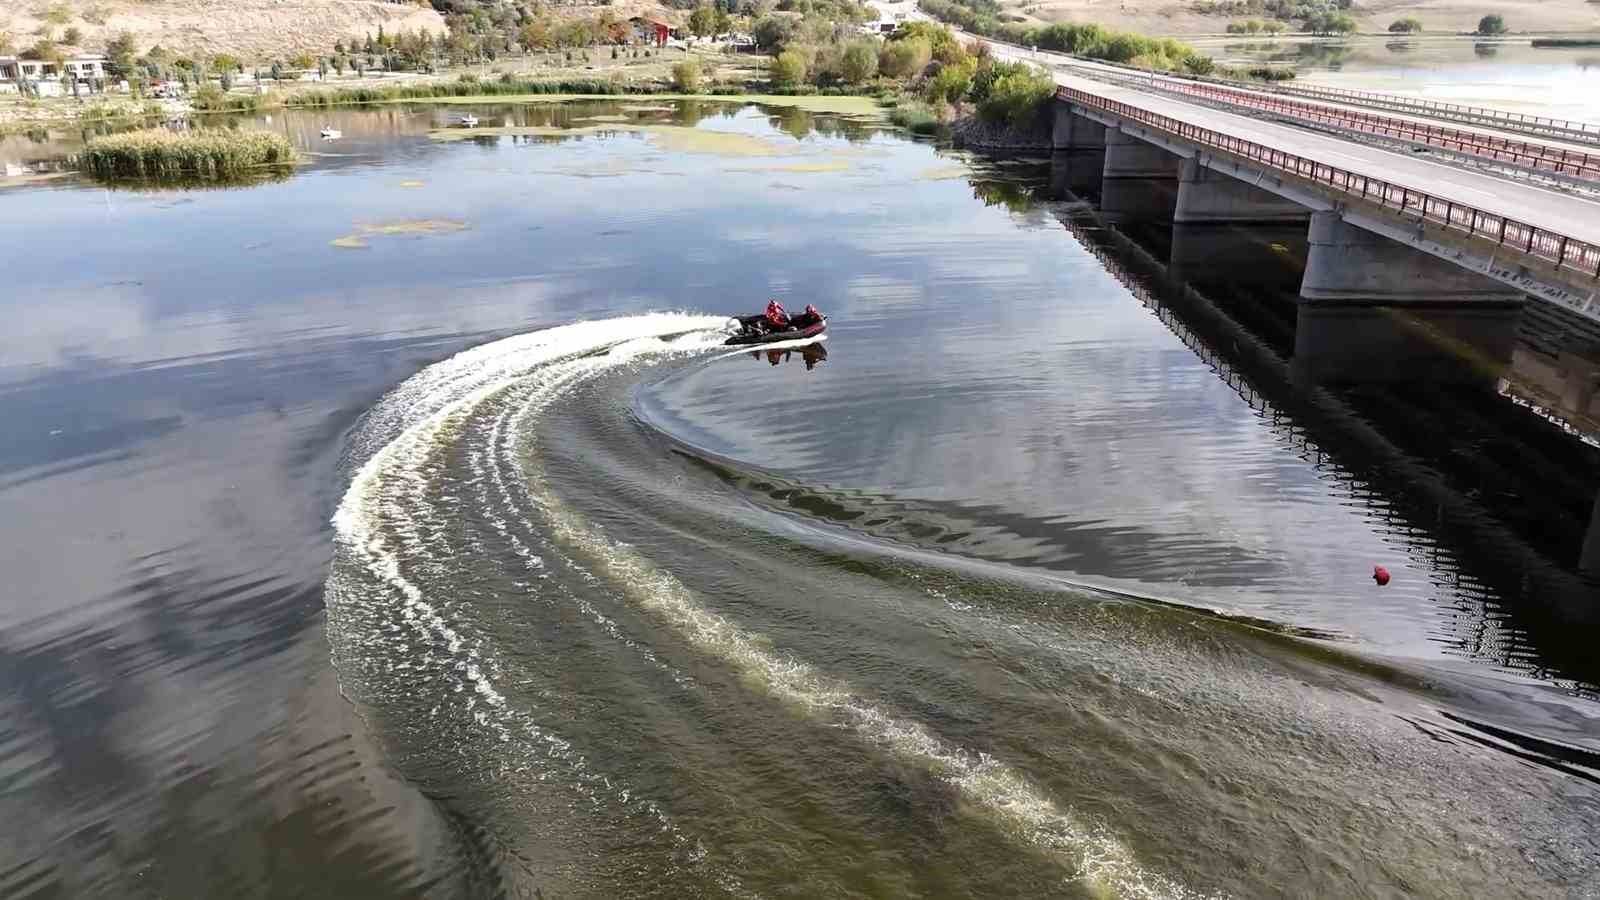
757 330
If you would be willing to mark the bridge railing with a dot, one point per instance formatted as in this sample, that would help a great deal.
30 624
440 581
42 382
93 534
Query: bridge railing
1566 252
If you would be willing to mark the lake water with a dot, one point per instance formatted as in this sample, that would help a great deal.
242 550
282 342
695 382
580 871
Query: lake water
402 528
1508 73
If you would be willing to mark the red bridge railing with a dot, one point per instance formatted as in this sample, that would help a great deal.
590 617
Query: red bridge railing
1566 252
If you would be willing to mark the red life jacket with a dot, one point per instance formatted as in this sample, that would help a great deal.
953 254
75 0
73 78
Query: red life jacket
775 314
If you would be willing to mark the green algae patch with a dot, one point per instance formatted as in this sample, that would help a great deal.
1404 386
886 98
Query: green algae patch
359 239
411 184
844 106
943 173
717 143
550 131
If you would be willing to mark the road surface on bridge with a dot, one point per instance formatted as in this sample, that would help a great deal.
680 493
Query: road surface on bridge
1572 216
1090 66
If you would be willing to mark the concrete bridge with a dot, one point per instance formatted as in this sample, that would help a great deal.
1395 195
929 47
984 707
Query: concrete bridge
1460 251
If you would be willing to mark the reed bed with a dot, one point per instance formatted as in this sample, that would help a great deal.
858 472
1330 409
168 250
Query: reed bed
156 153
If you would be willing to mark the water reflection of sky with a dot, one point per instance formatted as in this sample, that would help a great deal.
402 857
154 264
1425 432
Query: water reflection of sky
181 367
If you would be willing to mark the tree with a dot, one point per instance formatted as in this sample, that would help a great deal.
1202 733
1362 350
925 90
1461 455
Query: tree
1492 24
724 24
226 62
1408 25
576 33
789 69
72 36
703 21
536 35
8 43
773 33
859 62
120 52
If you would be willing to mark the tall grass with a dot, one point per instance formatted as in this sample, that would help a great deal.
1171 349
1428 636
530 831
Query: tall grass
915 116
156 153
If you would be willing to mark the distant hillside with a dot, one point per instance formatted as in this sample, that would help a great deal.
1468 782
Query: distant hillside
249 29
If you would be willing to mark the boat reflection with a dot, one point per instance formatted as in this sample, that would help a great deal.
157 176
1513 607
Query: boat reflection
810 354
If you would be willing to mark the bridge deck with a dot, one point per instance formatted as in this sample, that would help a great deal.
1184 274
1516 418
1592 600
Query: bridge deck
1572 216
1553 142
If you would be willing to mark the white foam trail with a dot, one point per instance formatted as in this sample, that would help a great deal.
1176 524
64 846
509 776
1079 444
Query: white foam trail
426 414
376 525
1095 856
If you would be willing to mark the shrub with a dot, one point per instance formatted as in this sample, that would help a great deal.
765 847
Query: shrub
905 58
859 62
210 98
1408 25
918 117
1196 64
686 76
788 70
1017 97
158 153
1492 24
950 85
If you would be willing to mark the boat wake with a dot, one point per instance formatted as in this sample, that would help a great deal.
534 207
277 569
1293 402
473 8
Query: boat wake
641 673
396 640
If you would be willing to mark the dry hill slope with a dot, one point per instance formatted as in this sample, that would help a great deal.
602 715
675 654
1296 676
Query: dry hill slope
250 29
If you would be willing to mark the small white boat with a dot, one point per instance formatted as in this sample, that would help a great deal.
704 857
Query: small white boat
468 121
330 133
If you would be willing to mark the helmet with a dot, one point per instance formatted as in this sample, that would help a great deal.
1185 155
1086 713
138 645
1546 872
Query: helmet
813 311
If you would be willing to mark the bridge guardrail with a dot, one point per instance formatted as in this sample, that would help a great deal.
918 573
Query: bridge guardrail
1566 252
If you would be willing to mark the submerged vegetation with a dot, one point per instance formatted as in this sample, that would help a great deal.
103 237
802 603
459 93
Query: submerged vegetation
156 153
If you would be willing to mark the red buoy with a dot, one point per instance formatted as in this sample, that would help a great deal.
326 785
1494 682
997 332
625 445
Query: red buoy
1380 575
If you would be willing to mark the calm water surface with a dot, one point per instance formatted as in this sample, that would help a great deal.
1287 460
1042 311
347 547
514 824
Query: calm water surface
402 528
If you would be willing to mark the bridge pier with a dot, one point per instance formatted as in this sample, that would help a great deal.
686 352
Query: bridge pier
1232 230
1374 309
1071 131
1209 197
1139 182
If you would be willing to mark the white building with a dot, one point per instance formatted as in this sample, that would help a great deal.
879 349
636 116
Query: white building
83 68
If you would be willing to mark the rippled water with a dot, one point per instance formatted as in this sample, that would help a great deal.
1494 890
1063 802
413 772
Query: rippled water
1041 576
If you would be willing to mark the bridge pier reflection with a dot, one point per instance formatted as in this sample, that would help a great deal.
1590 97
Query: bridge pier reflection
1076 173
